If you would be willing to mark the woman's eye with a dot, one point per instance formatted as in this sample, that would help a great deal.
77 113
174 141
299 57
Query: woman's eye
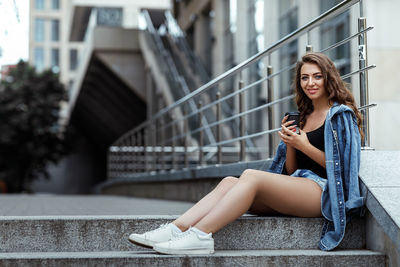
304 78
318 77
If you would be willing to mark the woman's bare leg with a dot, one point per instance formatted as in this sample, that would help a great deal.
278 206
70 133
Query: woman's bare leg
201 208
285 194
207 203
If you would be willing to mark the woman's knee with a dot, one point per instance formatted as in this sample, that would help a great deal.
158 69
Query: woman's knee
254 176
249 175
228 182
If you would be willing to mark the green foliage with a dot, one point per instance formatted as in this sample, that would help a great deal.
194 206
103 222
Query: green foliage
29 125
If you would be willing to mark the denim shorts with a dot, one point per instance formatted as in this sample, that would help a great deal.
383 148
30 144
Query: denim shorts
312 176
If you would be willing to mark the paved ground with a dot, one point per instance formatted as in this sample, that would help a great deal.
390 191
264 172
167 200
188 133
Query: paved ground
67 205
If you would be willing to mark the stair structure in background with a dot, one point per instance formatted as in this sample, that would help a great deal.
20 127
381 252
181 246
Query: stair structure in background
178 72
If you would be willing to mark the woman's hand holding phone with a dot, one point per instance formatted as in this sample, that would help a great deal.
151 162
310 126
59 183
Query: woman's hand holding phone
289 136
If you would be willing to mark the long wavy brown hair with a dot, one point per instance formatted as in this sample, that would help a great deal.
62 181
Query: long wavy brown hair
337 89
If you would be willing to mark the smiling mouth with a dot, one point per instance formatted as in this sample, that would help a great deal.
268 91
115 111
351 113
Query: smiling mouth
312 91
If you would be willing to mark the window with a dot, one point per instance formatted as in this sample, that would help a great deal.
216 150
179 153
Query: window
39 59
109 16
55 4
73 59
39 30
39 4
55 60
55 30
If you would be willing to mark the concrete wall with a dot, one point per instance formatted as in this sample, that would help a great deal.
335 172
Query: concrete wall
384 81
381 185
378 240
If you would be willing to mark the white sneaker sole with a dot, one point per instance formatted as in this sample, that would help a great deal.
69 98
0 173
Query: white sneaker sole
141 241
183 251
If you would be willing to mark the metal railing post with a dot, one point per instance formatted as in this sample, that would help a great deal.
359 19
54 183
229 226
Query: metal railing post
364 96
201 133
127 159
309 47
219 153
185 138
146 144
162 135
157 144
270 110
173 143
154 145
130 153
242 123
139 146
134 160
123 158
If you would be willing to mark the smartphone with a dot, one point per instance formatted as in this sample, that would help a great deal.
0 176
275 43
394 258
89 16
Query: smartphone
294 116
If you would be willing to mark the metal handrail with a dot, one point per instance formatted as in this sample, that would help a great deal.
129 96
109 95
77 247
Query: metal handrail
233 117
168 147
283 41
259 108
344 77
345 40
238 115
290 67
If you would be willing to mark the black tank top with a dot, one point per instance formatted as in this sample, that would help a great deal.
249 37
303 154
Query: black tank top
316 138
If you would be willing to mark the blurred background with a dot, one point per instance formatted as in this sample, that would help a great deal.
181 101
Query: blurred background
76 74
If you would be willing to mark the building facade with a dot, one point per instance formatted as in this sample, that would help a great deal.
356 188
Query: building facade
49 45
93 46
51 24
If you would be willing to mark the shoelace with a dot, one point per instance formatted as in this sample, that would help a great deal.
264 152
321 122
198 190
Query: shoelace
177 236
161 227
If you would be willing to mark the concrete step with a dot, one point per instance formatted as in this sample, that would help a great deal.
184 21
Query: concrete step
279 258
110 233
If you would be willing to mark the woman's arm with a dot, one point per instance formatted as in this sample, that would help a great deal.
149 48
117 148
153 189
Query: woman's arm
291 163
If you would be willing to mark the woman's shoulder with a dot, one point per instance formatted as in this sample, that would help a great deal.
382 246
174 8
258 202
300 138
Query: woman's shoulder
339 109
341 113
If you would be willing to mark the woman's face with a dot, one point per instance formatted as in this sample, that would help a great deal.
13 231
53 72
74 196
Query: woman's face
312 81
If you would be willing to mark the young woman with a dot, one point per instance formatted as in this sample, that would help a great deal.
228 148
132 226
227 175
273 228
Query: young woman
320 167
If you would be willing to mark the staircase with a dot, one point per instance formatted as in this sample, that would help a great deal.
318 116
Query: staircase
177 70
101 240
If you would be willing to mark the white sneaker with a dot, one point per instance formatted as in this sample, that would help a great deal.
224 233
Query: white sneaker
189 242
163 233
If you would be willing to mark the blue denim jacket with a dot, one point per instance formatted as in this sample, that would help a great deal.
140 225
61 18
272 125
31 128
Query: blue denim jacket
341 198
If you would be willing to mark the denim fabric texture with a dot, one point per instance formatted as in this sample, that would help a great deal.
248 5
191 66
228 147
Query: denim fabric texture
341 199
312 176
